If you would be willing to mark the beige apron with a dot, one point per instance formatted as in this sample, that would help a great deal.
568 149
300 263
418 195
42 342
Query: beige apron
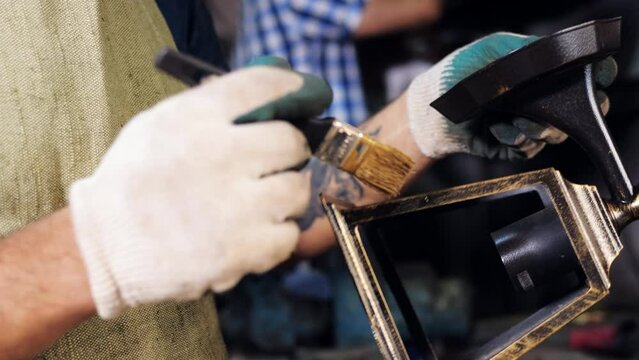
72 72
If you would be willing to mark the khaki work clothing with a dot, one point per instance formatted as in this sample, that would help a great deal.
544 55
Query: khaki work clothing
73 72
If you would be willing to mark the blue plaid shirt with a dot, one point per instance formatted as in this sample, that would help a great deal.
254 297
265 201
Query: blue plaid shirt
315 37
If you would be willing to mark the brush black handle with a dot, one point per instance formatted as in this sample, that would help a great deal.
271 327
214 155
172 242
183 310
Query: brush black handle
185 68
550 81
191 71
315 131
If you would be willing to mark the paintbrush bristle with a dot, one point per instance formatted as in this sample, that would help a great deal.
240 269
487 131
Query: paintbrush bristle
373 163
379 165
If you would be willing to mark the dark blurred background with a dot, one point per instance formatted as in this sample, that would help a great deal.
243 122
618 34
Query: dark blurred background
311 310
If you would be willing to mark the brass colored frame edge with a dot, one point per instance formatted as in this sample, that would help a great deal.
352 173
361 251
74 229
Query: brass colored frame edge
599 229
597 280
574 200
384 328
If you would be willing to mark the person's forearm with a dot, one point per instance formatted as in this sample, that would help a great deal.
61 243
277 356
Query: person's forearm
384 16
44 291
390 127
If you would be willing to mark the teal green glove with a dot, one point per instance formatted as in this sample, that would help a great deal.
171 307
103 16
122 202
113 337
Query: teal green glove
515 139
310 101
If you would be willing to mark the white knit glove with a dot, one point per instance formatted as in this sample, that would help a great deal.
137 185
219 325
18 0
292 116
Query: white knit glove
185 201
437 137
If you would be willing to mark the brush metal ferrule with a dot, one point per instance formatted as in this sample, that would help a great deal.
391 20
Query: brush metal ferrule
340 144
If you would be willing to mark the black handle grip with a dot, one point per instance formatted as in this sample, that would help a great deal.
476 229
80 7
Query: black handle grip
185 68
550 81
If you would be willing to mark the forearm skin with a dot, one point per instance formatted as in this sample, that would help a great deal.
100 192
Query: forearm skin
386 16
44 290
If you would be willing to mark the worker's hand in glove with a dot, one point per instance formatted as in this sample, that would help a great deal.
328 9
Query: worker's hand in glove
185 200
520 138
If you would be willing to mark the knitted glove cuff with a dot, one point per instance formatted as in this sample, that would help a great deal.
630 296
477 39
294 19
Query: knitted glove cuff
90 230
430 129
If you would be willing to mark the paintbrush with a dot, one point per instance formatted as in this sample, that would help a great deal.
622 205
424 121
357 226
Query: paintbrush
346 147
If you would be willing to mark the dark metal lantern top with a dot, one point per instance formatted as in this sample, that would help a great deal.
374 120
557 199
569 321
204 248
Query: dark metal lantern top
578 45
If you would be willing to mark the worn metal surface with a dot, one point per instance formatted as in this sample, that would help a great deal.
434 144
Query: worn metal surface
382 323
585 218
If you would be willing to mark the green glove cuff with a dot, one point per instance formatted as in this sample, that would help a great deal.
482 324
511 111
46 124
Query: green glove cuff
310 101
482 52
